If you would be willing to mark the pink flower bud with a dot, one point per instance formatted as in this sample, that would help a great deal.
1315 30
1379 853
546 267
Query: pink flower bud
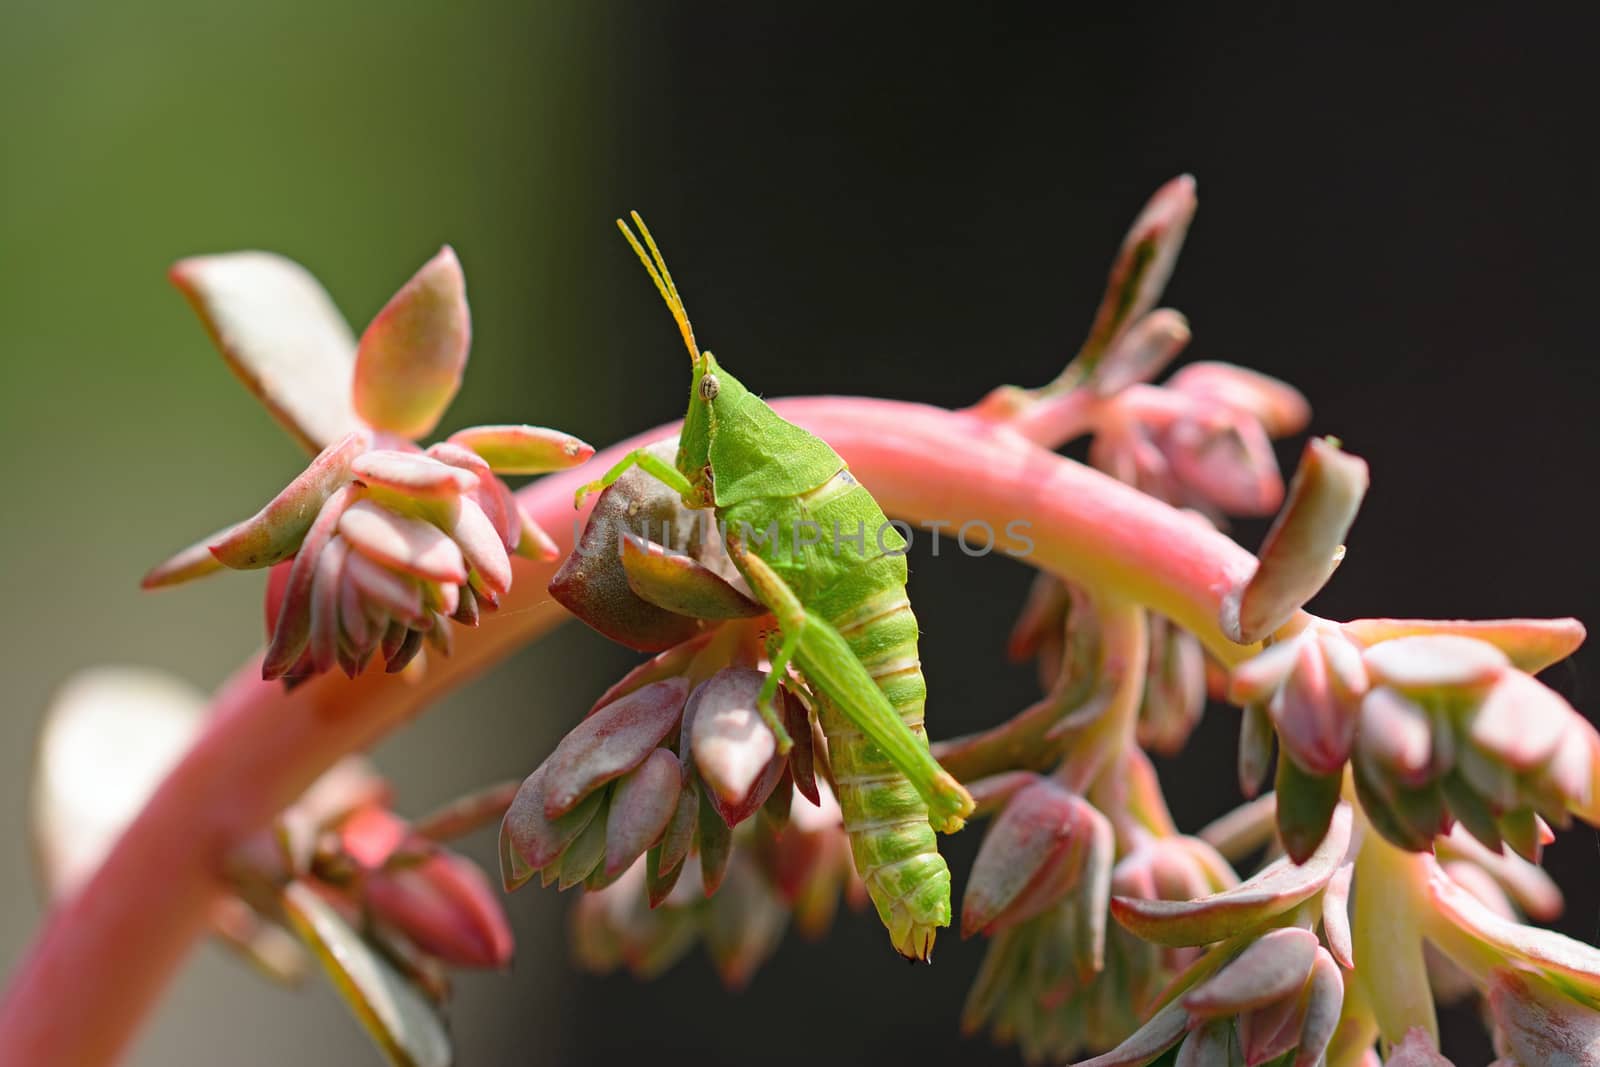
744 923
371 834
1277 406
484 549
592 583
1520 722
385 543
446 906
430 533
1310 688
610 743
1032 855
1226 460
402 543
1397 735
642 805
293 630
1455 731
734 751
385 594
1316 720
1541 1024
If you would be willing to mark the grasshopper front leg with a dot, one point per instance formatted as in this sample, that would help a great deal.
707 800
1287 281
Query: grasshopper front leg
658 468
829 666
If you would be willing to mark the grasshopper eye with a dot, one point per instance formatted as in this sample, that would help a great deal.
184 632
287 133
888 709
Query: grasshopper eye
709 387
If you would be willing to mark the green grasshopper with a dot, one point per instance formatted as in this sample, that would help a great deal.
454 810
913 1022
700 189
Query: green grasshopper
845 623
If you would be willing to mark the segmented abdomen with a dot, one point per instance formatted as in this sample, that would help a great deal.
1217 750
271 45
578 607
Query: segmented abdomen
851 571
895 850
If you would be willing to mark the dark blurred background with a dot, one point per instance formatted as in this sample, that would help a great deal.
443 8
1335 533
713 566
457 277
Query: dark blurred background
1397 216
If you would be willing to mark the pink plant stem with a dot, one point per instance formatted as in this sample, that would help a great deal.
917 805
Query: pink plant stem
79 994
1391 913
1125 653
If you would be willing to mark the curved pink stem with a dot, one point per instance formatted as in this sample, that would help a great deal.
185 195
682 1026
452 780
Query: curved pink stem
927 464
81 991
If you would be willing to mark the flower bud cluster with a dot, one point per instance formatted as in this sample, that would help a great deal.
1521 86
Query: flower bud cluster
675 806
1439 729
1066 980
649 804
402 542
1202 440
1504 883
1268 987
378 885
378 544
606 794
648 572
773 872
1055 978
1283 994
439 901
1542 988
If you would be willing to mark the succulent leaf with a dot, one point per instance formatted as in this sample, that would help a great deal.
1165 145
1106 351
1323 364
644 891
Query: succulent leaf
275 532
610 743
281 334
642 807
1303 547
523 449
398 1017
409 362
682 585
1249 905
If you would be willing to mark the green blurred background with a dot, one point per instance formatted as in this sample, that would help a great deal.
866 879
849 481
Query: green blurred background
356 139
1397 215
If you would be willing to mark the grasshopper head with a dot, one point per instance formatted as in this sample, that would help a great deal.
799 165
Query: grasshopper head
694 440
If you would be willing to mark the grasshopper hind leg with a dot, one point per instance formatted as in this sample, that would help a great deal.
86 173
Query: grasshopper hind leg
779 653
891 790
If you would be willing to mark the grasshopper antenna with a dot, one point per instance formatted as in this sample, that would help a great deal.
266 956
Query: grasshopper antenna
656 265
